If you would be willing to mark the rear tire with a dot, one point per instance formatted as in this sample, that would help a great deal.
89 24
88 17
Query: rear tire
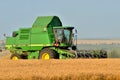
15 56
47 53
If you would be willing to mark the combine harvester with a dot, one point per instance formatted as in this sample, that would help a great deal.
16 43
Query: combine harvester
47 39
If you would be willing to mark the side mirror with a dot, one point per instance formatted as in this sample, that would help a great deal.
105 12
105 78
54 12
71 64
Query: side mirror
75 31
73 35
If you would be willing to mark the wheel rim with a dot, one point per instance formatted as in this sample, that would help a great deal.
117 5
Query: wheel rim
45 56
14 58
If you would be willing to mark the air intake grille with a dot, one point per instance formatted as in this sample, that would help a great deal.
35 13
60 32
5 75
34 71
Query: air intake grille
24 34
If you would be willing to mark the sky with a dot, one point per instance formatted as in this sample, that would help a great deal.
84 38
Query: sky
93 19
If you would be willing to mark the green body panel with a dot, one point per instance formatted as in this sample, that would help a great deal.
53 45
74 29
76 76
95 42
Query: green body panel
39 38
10 42
23 39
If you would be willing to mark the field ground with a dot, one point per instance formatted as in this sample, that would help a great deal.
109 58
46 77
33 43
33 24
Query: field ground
71 69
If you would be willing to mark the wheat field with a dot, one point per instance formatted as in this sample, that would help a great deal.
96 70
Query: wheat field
70 69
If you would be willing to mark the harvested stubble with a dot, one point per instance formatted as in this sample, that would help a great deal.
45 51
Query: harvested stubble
72 69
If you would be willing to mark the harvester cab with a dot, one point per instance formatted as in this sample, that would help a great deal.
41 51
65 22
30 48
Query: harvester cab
64 36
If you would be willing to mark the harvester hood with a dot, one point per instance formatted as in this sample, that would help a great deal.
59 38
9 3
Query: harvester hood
47 21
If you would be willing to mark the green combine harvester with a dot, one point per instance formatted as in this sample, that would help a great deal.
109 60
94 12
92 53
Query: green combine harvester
47 39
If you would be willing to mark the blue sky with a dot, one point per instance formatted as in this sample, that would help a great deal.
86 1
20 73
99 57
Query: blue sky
94 19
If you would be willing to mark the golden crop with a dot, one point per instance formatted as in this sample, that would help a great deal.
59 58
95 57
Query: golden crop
70 69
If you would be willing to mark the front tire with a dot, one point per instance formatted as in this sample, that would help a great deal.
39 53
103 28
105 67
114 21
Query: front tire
47 54
15 57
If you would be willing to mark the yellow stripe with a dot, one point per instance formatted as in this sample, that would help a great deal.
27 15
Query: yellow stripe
39 45
8 46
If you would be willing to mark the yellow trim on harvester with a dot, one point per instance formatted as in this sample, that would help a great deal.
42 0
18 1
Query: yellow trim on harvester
40 45
9 46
